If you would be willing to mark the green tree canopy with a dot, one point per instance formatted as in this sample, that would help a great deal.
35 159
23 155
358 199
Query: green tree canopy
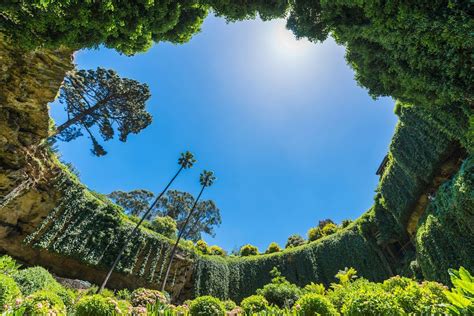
164 225
135 202
294 241
102 99
177 205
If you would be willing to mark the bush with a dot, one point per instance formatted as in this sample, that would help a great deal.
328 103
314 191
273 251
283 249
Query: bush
372 303
9 291
144 297
253 304
97 305
44 302
202 247
280 292
207 305
124 294
329 229
314 233
346 222
217 251
272 248
314 288
8 265
248 250
164 225
294 241
229 305
314 304
34 279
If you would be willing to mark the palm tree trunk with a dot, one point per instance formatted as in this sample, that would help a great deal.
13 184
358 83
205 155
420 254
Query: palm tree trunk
175 246
125 244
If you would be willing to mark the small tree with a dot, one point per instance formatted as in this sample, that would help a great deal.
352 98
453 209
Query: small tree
314 233
186 161
294 241
206 179
134 202
248 250
101 98
217 251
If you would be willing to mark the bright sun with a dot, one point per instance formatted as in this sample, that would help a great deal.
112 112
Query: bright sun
286 46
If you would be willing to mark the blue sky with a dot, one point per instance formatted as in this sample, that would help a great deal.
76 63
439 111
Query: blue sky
290 136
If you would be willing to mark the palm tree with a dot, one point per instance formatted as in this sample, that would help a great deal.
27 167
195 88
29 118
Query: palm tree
206 179
186 161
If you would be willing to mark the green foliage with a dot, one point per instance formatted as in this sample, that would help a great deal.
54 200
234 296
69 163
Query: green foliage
314 288
202 247
294 241
461 295
444 236
272 248
144 297
34 279
240 277
254 303
207 305
329 229
413 51
280 292
87 96
44 302
314 233
165 226
346 222
135 202
374 303
124 294
217 251
314 304
97 305
9 291
347 275
248 250
8 265
126 27
229 305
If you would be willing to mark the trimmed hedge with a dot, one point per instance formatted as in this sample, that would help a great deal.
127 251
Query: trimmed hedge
237 278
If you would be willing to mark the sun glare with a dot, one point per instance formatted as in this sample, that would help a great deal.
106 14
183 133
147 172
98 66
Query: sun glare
285 44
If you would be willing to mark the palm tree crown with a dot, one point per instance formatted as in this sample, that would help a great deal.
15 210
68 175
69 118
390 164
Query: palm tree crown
207 178
186 160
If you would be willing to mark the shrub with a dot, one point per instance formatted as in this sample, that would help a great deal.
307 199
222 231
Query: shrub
229 305
346 222
217 251
314 304
347 275
253 304
371 303
34 279
97 305
202 247
144 297
314 233
8 265
164 225
461 295
124 294
207 305
294 241
329 229
314 288
280 292
9 291
272 248
44 302
248 250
